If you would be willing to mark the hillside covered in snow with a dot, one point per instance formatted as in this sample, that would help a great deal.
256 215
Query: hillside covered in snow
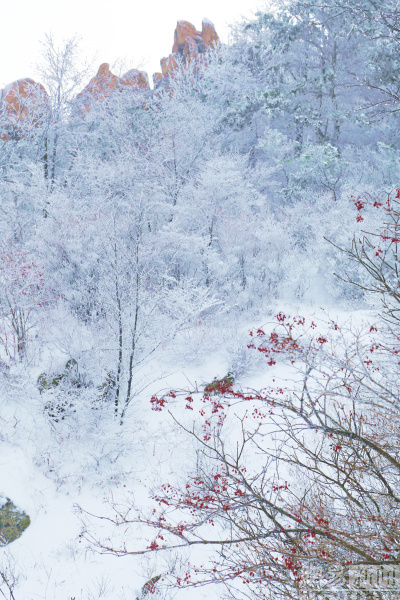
199 315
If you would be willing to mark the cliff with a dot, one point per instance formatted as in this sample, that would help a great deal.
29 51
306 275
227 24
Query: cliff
189 44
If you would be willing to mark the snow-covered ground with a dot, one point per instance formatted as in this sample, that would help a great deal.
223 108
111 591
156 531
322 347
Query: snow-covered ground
53 470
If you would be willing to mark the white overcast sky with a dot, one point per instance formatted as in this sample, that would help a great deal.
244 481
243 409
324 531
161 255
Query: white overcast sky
139 32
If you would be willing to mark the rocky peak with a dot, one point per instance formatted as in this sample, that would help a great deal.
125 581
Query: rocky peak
103 84
183 30
189 43
21 100
209 35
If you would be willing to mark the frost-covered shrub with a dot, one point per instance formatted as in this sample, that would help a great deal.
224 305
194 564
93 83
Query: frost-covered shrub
60 389
106 390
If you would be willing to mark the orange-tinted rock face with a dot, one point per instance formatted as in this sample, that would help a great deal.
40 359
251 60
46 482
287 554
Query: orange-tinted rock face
209 35
135 78
188 45
169 64
102 85
157 78
23 103
190 49
183 30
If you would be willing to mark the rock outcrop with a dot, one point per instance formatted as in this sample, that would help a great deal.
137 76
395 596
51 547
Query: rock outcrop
157 79
23 103
189 44
209 35
26 101
104 83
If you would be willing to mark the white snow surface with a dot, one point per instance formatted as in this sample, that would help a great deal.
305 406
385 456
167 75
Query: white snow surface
51 469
